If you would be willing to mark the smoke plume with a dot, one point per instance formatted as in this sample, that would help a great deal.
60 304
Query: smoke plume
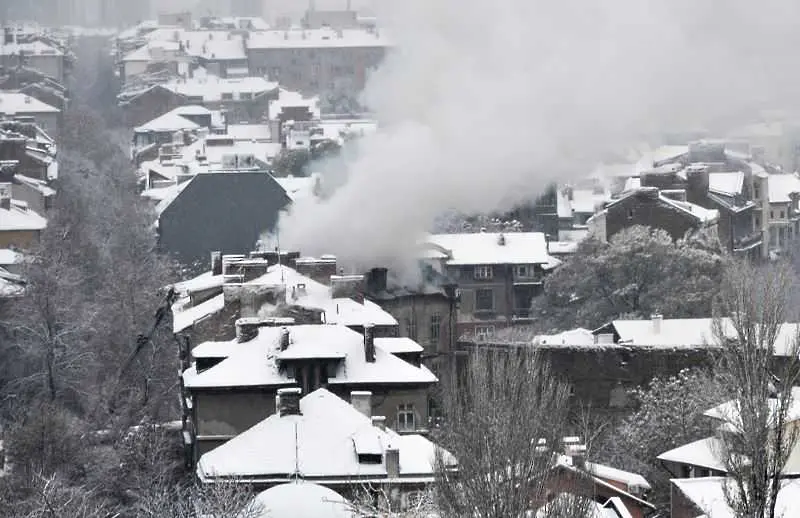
482 104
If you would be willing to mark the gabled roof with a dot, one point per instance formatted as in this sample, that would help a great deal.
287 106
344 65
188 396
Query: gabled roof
399 345
256 362
708 494
700 214
14 103
486 248
320 444
704 453
170 121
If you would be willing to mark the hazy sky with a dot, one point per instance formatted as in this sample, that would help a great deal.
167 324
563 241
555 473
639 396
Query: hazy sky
484 103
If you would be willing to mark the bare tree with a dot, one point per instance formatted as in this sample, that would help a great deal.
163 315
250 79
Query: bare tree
504 421
756 440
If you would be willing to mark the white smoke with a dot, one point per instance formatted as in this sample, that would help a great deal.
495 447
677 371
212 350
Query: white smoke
482 104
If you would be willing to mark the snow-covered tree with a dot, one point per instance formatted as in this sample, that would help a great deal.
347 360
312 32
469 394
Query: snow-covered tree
641 271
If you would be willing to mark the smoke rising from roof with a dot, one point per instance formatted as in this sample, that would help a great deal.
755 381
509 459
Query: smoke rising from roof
482 104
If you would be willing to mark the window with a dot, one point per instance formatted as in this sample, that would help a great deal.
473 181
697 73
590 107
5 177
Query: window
782 214
484 300
523 271
405 417
411 328
631 213
227 96
484 331
483 272
436 324
756 191
246 96
771 214
757 221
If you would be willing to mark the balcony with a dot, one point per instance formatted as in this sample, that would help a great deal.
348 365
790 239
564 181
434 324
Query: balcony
747 242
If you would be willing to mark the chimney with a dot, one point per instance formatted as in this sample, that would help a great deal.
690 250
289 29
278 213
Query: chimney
284 338
320 269
377 280
348 286
501 240
246 329
362 401
657 318
5 196
289 401
369 343
379 421
392 460
277 404
216 263
230 272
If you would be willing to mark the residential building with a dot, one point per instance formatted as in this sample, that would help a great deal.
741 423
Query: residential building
649 206
32 151
701 473
36 55
323 439
231 386
427 311
779 217
498 275
19 226
179 127
15 104
34 83
317 60
219 211
576 204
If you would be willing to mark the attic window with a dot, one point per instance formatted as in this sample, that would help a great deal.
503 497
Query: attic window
370 458
631 213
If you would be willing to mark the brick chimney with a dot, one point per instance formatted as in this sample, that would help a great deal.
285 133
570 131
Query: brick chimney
246 329
369 343
285 338
697 182
289 401
362 401
5 196
320 269
216 263
392 461
379 421
348 286
377 279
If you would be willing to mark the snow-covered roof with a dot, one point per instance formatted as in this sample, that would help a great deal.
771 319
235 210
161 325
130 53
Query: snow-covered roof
204 281
579 336
632 480
299 187
255 362
306 292
19 217
291 99
486 248
314 38
709 495
398 345
729 411
170 121
319 444
701 213
186 318
35 183
11 285
686 332
36 47
153 49
211 88
659 155
15 103
301 500
704 453
729 183
8 256
257 132
781 186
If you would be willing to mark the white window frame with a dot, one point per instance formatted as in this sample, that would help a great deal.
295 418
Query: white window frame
484 273
406 418
435 327
523 271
